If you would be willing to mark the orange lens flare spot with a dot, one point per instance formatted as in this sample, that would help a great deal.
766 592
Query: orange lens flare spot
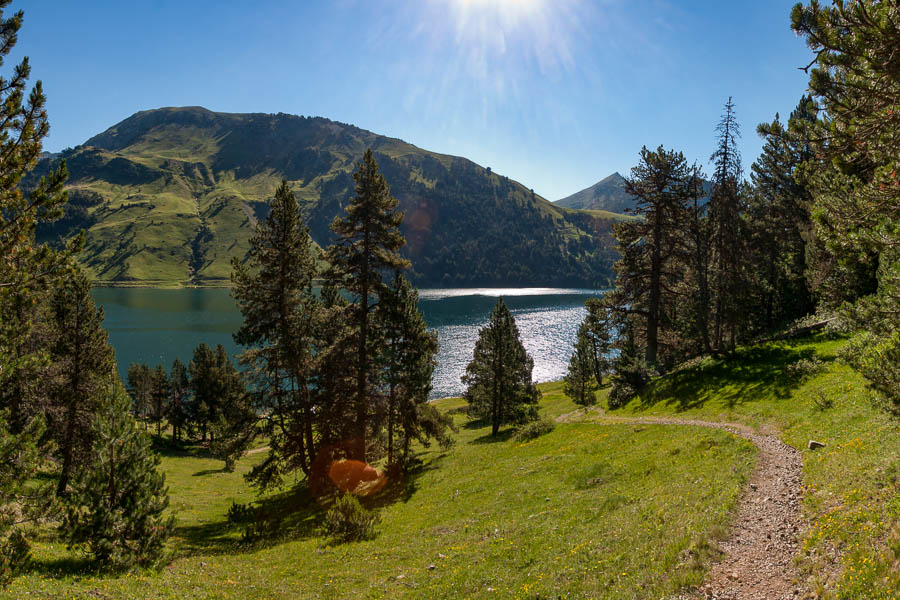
356 477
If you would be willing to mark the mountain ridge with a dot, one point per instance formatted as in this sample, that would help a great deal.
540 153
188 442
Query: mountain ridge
169 196
607 194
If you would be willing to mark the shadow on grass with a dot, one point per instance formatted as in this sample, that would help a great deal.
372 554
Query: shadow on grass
403 488
208 472
63 567
501 436
287 516
748 375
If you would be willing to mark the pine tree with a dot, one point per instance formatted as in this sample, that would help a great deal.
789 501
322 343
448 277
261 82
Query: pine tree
118 498
779 223
274 292
579 382
234 426
630 370
159 397
222 406
409 358
21 501
83 363
855 179
27 269
204 389
139 388
368 242
598 325
728 253
179 400
651 265
498 378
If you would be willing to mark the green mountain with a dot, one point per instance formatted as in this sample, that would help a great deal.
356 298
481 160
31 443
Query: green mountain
169 196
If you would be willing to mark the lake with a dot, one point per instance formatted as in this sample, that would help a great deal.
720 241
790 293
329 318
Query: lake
156 326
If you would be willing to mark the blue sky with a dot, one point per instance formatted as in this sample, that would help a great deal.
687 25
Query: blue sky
556 94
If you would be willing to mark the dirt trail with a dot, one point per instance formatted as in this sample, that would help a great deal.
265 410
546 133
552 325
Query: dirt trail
758 561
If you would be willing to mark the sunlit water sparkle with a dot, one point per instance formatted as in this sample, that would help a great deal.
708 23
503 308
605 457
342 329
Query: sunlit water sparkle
156 326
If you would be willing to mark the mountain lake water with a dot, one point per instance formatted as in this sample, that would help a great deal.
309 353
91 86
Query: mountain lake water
156 326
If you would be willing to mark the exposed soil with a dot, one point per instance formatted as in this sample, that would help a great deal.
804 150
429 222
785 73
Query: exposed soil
758 554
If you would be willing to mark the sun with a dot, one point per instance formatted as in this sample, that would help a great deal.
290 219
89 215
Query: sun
494 36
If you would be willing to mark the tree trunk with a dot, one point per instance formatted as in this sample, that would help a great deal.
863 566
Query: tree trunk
653 307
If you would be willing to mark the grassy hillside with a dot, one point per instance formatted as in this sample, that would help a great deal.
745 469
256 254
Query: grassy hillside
593 509
170 196
851 494
612 512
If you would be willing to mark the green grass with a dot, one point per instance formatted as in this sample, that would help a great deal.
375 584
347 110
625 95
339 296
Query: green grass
851 545
585 511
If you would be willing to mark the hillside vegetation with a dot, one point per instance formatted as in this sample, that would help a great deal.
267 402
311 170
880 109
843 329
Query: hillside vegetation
593 509
611 512
170 196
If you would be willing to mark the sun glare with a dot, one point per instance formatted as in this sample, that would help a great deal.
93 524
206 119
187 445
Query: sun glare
537 30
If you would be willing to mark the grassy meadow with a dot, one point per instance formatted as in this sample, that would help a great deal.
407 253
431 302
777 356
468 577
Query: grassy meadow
590 510
850 545
584 511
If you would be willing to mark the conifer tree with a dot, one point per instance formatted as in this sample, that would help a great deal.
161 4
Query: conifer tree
630 371
139 388
409 358
728 253
650 268
204 388
779 223
222 404
83 364
179 399
273 289
367 246
498 378
118 497
598 324
234 425
21 501
159 397
856 181
28 270
579 382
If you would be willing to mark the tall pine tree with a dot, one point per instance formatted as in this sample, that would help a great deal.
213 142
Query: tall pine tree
856 183
728 255
367 247
579 382
83 364
179 400
409 357
647 275
498 378
273 289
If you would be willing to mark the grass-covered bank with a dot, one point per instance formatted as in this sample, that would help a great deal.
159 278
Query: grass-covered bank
619 511
584 511
850 547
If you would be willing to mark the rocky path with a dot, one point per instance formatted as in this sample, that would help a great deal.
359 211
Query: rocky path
758 561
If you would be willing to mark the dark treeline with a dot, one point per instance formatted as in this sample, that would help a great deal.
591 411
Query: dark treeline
70 451
697 277
812 231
